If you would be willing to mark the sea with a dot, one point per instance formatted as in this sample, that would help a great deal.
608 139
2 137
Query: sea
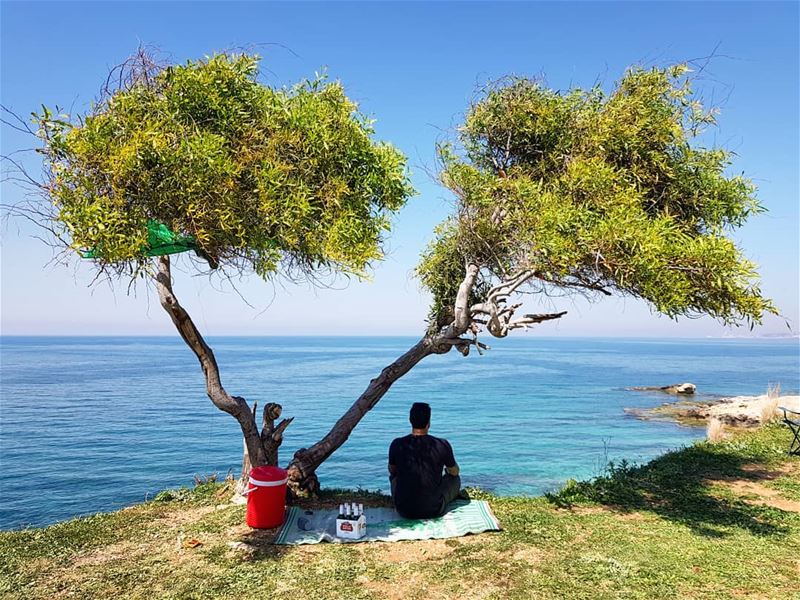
91 424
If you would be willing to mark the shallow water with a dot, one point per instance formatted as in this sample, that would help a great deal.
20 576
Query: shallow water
94 424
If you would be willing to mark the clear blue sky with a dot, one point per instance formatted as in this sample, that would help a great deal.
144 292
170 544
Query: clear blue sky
413 66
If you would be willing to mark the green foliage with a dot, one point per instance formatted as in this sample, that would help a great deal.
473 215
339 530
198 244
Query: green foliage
678 478
177 495
259 177
592 190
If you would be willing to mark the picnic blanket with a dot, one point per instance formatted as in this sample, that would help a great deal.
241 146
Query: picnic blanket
386 525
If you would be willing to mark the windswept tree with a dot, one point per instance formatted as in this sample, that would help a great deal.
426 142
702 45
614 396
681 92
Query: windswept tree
578 192
203 156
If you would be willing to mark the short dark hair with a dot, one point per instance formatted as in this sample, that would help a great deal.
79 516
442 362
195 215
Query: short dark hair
420 415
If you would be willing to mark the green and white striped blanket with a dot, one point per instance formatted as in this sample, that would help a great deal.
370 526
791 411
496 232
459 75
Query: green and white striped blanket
386 525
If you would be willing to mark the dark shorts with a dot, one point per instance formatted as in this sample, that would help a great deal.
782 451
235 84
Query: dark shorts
433 506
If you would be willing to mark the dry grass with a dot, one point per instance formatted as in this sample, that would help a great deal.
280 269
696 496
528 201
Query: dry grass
769 411
715 430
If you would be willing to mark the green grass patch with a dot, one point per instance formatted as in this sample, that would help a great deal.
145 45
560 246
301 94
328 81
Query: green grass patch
674 527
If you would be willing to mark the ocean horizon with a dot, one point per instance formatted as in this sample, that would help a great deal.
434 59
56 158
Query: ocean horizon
95 423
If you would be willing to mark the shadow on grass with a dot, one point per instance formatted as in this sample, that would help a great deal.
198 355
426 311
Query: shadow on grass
260 545
683 486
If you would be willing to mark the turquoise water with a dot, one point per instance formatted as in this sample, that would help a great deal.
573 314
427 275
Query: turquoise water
94 424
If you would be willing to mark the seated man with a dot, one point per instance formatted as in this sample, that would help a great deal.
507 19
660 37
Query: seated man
416 463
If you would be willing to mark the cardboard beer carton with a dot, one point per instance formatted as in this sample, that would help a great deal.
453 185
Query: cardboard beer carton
351 528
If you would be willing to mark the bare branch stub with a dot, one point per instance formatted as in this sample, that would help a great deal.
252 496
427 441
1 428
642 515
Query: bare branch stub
271 434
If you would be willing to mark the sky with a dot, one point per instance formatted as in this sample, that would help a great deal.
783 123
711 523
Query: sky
414 67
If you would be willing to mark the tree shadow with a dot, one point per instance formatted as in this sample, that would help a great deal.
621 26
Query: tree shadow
259 544
687 487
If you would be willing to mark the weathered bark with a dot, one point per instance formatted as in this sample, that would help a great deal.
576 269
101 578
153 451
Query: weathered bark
461 310
271 438
261 446
242 483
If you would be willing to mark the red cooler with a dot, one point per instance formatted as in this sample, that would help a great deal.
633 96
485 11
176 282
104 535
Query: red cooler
266 497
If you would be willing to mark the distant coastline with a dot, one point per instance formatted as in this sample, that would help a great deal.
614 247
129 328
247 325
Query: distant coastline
764 336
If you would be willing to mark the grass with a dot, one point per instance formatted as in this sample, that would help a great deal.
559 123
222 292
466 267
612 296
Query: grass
715 430
769 412
713 520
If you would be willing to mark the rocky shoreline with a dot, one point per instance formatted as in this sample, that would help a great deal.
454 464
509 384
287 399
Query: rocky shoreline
738 411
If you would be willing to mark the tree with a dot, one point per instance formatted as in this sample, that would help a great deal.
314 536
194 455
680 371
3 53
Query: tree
577 192
203 156
582 192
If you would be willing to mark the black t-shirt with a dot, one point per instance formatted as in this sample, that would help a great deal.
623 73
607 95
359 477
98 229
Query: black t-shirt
420 461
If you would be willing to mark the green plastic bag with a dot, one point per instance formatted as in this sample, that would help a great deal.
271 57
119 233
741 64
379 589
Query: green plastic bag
161 240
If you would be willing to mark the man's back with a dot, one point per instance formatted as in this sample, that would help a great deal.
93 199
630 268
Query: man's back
419 461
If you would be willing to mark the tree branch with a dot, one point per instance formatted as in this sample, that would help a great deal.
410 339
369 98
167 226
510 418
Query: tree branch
527 320
306 460
277 434
232 405
461 321
499 319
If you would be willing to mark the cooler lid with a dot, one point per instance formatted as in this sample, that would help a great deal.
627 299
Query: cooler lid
267 474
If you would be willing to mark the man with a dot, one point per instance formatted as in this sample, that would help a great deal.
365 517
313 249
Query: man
417 461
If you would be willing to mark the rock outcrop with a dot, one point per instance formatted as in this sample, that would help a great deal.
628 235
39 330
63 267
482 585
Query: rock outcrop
675 388
740 411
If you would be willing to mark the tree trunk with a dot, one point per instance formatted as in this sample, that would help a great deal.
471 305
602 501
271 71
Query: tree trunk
242 483
271 438
302 469
261 446
303 480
